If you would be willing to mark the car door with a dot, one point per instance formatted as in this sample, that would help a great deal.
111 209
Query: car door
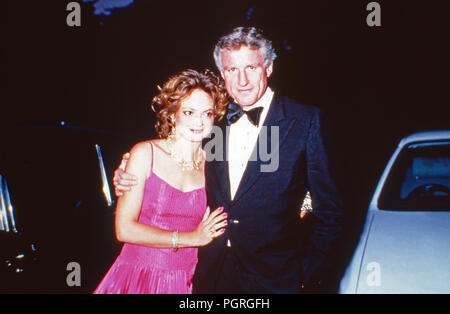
406 252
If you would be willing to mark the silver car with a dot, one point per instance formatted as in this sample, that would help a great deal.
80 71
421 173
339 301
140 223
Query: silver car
405 243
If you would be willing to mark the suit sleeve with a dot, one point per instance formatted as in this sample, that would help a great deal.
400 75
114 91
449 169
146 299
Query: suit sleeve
326 200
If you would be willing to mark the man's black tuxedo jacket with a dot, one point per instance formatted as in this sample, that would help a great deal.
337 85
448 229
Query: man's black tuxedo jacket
268 241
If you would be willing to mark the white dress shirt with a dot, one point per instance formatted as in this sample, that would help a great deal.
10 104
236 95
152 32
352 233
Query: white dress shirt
242 140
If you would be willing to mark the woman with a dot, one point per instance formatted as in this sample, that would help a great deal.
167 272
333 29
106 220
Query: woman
163 220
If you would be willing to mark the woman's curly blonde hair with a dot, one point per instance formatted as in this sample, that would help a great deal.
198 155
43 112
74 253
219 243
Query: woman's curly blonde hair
168 101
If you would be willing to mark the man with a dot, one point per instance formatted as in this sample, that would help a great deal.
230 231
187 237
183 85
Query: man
265 248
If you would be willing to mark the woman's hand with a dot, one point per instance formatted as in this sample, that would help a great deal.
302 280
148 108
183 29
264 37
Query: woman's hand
212 226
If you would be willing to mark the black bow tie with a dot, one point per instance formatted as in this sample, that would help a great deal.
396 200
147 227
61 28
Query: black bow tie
235 112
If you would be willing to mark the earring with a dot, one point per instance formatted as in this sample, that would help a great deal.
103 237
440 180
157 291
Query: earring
173 129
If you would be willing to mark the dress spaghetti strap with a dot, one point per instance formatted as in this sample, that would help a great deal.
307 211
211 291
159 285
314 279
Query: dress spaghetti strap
153 157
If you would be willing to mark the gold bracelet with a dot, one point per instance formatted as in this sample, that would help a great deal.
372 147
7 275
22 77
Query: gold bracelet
175 241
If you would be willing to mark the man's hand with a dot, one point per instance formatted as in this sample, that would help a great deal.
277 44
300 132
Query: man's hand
303 213
123 181
306 206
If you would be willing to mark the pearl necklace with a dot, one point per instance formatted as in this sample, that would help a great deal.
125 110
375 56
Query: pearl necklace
183 164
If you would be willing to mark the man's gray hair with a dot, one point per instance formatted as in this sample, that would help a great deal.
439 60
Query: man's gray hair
245 36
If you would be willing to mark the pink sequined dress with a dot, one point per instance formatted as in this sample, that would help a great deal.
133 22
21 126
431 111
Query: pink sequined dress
143 269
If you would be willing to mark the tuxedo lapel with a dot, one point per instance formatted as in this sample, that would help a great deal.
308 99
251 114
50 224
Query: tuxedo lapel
218 166
276 117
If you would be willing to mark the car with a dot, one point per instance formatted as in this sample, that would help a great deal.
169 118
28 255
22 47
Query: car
404 246
57 207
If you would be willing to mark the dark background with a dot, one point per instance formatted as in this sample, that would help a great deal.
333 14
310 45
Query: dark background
377 84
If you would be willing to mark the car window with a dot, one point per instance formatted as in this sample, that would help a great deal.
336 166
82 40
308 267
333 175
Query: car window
419 178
